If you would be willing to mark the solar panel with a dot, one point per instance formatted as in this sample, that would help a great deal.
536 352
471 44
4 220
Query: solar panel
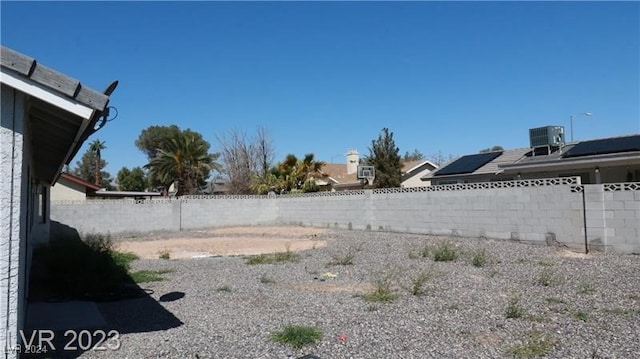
468 164
604 146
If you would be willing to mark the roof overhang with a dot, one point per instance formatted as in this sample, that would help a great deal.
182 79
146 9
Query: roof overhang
38 91
60 113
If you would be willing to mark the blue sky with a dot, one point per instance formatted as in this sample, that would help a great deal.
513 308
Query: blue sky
323 77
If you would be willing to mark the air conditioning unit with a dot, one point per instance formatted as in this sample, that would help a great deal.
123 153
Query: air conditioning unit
546 136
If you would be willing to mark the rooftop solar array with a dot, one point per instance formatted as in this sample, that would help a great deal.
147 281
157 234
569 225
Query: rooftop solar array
468 164
604 146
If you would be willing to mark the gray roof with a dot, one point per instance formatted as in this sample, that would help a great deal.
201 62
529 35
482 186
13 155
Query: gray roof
28 67
491 167
55 133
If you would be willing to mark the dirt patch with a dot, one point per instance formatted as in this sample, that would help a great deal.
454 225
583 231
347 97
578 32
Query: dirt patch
565 253
332 287
229 241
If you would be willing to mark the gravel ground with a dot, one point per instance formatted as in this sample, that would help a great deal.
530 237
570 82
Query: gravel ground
220 307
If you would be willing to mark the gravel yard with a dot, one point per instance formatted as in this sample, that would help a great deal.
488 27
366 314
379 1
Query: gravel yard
562 305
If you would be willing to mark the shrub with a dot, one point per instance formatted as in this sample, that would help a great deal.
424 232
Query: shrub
164 254
297 336
537 344
417 283
514 309
343 259
479 258
83 269
548 278
382 287
444 252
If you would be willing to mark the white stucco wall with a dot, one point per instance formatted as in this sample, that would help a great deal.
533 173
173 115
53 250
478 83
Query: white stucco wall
65 190
13 214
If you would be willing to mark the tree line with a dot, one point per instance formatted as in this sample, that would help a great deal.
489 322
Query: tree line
244 163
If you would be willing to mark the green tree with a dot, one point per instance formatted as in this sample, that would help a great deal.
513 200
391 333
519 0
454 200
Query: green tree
185 159
131 180
385 158
293 174
97 146
414 156
86 169
154 139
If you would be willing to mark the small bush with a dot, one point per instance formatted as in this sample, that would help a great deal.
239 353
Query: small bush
417 283
297 336
537 344
580 315
548 278
445 252
514 309
383 287
345 258
479 258
164 254
224 288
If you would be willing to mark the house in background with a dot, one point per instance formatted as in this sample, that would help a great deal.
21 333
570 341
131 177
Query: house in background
344 176
413 171
605 160
480 167
45 118
72 188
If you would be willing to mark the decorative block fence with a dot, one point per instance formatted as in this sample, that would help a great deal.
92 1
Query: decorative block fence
556 210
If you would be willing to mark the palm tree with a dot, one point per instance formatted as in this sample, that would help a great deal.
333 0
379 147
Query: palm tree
186 160
95 147
295 172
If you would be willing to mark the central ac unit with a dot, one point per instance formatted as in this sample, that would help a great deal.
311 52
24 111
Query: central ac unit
546 136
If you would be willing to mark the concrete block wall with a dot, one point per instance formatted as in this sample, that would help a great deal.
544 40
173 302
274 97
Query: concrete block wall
117 216
336 211
533 214
528 210
620 217
207 212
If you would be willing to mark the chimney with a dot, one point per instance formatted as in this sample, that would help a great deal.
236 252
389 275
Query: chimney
353 160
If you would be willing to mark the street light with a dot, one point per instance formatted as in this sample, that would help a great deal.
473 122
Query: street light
571 120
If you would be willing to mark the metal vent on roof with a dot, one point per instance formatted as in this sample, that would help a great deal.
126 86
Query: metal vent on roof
546 136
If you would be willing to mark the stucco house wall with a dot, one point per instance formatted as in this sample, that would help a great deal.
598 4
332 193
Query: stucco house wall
13 187
45 117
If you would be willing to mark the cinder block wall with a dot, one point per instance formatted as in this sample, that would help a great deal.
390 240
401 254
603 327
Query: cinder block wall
546 210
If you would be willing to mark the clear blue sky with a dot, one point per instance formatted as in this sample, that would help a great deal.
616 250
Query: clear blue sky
324 77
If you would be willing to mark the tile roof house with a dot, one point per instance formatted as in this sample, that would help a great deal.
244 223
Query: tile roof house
605 160
45 118
342 176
